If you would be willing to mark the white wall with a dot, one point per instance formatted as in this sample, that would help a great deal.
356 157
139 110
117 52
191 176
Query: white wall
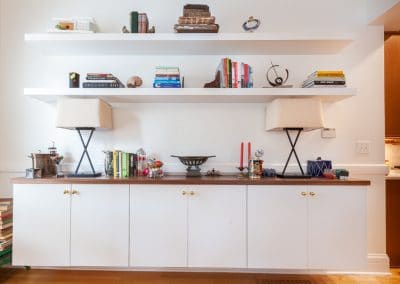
376 8
164 129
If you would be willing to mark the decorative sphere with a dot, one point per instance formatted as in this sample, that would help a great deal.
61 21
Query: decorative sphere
134 82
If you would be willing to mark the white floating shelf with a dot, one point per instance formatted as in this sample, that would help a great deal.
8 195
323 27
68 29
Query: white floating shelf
187 44
190 95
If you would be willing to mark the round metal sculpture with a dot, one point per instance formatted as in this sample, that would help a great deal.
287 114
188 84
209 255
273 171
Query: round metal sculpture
251 24
276 76
193 164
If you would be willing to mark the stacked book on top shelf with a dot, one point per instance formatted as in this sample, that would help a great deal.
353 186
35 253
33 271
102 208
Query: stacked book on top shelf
196 19
167 77
6 225
124 164
325 79
235 74
99 80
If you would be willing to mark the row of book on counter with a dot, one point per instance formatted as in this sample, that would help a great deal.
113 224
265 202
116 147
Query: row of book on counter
325 79
235 74
6 224
124 164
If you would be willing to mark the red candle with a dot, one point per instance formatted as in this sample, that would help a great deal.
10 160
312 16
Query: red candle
249 151
241 154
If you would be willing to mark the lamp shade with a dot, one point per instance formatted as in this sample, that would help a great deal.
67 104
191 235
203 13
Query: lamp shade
83 113
294 113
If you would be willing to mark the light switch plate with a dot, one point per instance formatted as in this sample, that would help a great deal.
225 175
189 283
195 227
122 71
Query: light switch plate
363 147
328 133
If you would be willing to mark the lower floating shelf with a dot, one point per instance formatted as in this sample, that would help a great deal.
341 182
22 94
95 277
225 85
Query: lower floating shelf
190 95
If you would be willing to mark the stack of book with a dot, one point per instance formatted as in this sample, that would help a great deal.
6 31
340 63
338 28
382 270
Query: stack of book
99 80
5 231
235 74
325 79
167 77
139 22
124 164
196 19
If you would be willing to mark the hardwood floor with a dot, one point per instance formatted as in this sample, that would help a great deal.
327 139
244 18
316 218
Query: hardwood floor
20 276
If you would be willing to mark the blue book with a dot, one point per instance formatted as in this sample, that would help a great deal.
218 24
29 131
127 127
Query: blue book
167 82
166 85
161 78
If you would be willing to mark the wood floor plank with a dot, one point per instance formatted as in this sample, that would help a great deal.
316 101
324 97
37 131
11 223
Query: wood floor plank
35 276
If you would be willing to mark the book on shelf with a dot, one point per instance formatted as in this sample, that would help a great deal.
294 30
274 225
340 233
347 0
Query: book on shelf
167 85
5 251
5 207
235 74
4 221
4 244
5 226
134 22
5 214
6 259
143 23
167 77
327 73
325 79
100 85
5 234
102 80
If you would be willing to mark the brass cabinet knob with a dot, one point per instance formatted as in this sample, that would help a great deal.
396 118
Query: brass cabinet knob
312 194
192 193
66 192
304 194
184 192
75 192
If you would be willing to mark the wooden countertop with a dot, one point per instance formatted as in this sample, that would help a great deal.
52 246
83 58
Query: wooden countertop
224 180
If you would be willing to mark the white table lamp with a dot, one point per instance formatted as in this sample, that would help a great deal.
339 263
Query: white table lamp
84 115
294 115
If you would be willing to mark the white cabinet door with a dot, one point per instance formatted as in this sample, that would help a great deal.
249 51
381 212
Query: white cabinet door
41 225
158 226
277 227
100 225
337 227
217 227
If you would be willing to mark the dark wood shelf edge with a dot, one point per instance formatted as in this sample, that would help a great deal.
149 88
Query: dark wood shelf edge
182 180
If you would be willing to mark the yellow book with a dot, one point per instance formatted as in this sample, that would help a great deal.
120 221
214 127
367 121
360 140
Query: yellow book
115 157
327 73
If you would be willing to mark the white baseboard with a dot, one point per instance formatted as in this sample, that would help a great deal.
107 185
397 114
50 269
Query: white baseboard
378 264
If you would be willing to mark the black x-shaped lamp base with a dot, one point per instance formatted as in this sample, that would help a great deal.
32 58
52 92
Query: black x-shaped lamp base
293 151
85 152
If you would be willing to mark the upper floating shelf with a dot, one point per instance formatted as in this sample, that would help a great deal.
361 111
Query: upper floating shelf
190 95
187 44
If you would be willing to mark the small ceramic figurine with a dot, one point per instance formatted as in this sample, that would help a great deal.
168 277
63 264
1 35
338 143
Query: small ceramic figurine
125 30
134 82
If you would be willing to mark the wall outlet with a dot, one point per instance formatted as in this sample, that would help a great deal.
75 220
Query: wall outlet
328 133
363 147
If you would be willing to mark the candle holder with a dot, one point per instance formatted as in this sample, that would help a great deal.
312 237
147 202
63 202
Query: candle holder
244 172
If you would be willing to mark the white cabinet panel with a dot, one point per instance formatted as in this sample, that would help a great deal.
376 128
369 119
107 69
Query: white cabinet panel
41 225
337 227
158 226
100 225
277 227
217 227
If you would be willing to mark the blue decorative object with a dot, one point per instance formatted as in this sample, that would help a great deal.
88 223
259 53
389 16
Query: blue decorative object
316 168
